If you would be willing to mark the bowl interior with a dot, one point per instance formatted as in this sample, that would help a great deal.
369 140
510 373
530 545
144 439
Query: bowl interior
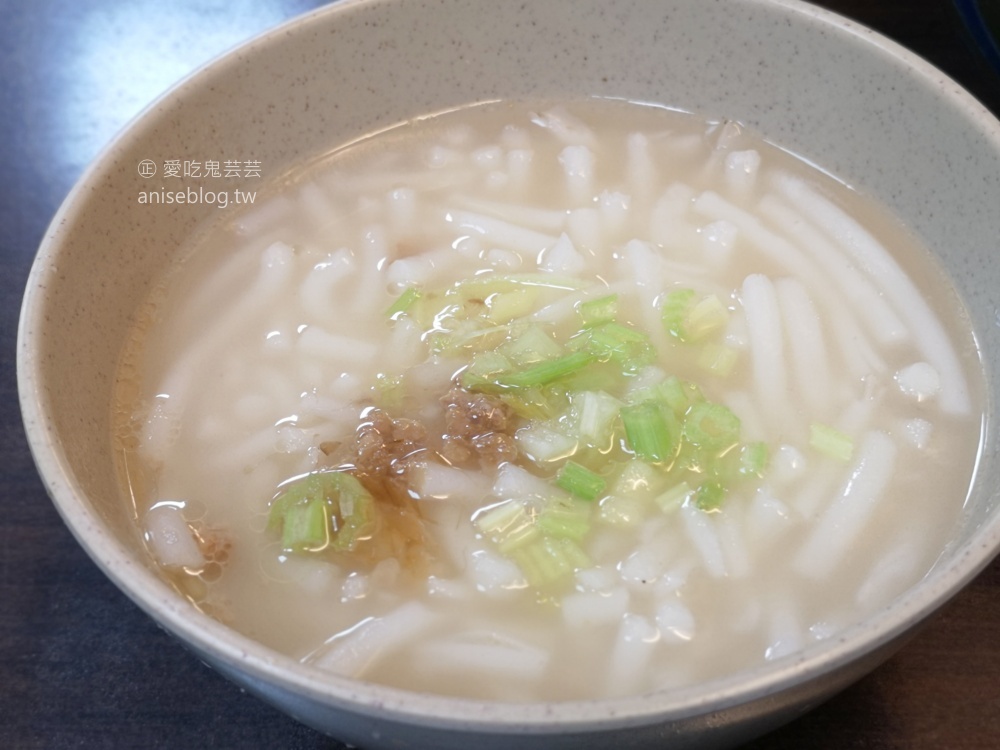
822 87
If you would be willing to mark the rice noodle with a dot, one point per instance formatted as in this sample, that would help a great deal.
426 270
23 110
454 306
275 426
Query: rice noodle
320 288
541 220
892 572
272 278
627 668
842 521
566 127
793 262
675 622
353 652
590 608
503 233
741 169
639 167
668 225
483 652
784 629
865 250
705 538
171 538
870 306
806 345
767 349
584 229
578 164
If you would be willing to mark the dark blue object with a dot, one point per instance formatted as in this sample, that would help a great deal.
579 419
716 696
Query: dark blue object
982 19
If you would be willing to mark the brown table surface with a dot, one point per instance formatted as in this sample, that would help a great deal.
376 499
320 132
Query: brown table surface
80 665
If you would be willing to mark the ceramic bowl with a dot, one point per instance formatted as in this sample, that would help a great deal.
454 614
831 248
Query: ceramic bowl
821 86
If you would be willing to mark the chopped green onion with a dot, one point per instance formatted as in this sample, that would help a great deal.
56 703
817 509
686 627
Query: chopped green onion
305 527
706 317
711 426
569 550
545 372
597 376
690 321
650 436
580 481
498 518
709 496
481 287
530 403
638 479
565 518
718 359
347 505
530 346
830 442
470 335
673 446
549 559
753 459
611 335
403 302
678 394
674 311
461 335
543 542
476 309
545 281
505 306
509 525
596 413
674 497
596 311
478 288
483 368
612 341
390 391
694 459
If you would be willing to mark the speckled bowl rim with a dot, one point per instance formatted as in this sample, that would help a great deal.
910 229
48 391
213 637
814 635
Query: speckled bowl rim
230 649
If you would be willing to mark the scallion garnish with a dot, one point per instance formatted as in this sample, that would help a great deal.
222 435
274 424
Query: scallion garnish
674 311
717 359
565 518
530 346
830 442
549 558
689 319
674 497
325 509
629 348
709 495
403 302
305 526
509 525
545 372
650 434
711 426
753 459
580 481
596 311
